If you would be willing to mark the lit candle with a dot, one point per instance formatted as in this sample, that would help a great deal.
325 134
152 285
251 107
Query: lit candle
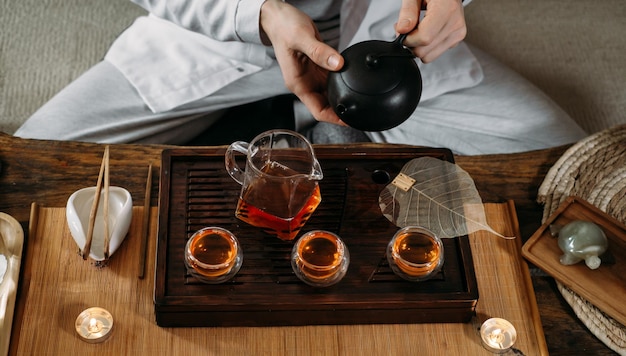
498 335
94 325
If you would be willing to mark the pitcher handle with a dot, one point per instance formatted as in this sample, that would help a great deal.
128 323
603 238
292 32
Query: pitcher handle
232 167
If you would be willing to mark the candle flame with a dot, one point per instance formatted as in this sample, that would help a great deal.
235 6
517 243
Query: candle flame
94 326
497 337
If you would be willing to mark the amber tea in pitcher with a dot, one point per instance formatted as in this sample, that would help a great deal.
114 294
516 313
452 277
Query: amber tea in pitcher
286 228
280 187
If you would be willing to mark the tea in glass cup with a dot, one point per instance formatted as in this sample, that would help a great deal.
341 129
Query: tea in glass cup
213 255
415 253
320 258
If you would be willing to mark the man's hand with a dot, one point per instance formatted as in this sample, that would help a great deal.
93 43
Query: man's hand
442 27
303 58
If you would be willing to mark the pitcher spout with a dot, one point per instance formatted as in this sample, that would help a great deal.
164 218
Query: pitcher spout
316 171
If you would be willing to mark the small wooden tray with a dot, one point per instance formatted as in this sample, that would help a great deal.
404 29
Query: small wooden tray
604 287
196 191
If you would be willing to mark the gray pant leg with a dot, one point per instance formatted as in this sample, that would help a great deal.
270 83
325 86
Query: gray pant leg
102 106
504 113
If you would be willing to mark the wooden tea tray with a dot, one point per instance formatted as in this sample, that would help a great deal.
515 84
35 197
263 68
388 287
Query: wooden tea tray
196 191
604 287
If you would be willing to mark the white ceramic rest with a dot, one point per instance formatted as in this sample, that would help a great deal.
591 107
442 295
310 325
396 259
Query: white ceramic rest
120 216
11 244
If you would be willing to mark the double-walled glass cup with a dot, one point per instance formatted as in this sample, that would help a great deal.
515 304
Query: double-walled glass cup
320 258
415 253
213 255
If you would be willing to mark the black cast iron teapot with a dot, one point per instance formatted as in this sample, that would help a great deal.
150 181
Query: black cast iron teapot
378 87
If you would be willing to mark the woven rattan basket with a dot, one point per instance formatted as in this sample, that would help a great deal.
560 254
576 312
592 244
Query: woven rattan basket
593 169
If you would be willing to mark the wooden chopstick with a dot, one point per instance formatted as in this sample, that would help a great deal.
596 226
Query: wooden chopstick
146 225
94 206
106 205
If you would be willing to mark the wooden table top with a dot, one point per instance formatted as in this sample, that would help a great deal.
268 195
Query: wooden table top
47 172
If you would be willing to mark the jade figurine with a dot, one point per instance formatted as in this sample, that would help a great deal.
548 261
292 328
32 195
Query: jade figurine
581 240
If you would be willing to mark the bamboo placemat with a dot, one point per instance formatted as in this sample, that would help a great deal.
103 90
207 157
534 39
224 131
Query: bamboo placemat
58 285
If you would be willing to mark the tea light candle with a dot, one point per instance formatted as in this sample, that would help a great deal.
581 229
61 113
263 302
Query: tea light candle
498 335
94 325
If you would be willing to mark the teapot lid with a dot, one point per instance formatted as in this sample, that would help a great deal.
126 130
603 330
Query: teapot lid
376 67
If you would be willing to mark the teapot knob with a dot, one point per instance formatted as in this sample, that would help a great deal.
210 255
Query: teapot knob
371 60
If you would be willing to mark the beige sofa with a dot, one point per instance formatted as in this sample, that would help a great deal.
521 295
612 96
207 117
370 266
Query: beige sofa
574 50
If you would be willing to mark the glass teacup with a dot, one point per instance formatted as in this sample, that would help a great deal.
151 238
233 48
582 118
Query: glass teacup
415 253
213 255
320 258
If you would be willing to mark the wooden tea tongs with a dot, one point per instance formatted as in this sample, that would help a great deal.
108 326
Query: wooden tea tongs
102 176
146 225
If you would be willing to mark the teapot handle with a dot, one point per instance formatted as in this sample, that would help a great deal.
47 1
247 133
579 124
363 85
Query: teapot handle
372 59
400 39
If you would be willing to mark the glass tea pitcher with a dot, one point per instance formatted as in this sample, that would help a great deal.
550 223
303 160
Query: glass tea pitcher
280 188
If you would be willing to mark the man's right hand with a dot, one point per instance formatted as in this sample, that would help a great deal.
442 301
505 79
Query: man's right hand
303 58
